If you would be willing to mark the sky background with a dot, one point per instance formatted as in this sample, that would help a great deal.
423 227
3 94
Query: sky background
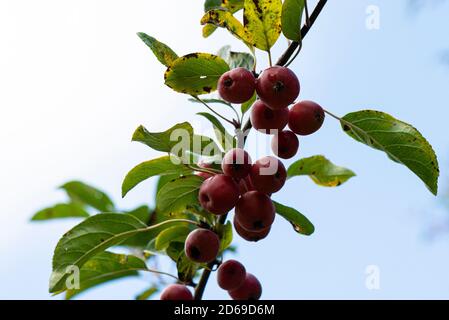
75 82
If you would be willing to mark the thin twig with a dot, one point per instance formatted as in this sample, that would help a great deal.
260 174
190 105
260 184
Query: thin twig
213 111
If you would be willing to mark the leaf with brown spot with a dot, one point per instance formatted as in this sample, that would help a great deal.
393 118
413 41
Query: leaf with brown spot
262 20
195 73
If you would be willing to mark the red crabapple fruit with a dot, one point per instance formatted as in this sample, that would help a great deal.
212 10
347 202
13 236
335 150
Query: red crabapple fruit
255 211
177 292
306 117
277 87
268 120
237 85
202 246
236 163
251 289
231 275
268 175
219 194
250 236
285 144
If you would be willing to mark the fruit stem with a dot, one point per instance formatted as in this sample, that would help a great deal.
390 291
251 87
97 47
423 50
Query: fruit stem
270 60
199 291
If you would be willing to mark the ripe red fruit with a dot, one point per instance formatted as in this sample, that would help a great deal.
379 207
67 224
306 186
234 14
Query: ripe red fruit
202 246
249 235
236 163
237 85
251 289
306 117
255 211
268 120
231 275
219 194
268 175
176 292
285 144
278 87
204 175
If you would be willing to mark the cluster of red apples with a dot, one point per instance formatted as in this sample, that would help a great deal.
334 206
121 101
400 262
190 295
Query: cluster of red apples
246 186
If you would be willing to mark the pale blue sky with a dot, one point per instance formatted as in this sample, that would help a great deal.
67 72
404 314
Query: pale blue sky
75 82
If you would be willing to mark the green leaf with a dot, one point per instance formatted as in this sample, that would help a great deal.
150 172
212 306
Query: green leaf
211 4
300 223
263 22
143 213
226 236
226 140
292 11
225 19
163 180
148 169
175 250
82 193
162 52
172 234
236 59
186 268
106 267
61 210
321 171
147 294
248 104
87 239
140 240
178 140
162 141
195 73
177 195
399 140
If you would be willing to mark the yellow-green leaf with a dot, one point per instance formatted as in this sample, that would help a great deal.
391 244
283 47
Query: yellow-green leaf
321 171
262 19
163 53
400 141
232 6
225 19
195 73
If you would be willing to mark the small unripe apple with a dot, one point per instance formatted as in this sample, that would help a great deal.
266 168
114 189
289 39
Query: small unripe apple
176 292
268 175
277 87
202 246
251 289
268 120
231 275
285 144
237 85
255 211
251 236
306 117
236 163
219 194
